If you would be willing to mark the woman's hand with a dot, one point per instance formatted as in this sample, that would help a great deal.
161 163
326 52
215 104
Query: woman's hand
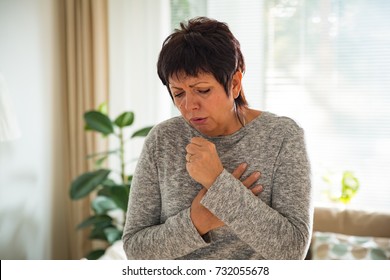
203 163
249 181
203 219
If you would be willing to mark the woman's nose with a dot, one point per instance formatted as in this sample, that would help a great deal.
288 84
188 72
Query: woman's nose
191 102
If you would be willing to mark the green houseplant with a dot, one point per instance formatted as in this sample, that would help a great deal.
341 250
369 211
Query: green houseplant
109 204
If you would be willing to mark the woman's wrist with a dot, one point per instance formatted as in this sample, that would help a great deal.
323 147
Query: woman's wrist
211 181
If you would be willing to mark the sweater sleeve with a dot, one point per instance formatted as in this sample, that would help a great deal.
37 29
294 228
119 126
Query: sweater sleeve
283 229
144 235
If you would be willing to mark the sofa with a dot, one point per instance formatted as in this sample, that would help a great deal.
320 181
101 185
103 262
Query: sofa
346 234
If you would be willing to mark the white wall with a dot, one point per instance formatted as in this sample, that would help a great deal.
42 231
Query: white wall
30 167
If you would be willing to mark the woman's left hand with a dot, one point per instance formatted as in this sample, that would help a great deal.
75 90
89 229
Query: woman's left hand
203 163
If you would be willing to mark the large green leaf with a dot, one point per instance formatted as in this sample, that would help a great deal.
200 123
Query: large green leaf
98 233
87 182
103 204
104 191
125 119
120 195
142 132
99 221
106 186
95 254
109 183
112 234
98 122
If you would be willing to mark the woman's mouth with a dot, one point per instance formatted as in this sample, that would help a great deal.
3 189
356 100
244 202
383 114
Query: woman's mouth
198 121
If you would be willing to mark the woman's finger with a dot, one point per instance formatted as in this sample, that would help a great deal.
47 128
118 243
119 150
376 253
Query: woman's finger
248 182
256 190
237 173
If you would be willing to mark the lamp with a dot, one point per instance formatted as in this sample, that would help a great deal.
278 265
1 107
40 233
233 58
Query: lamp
9 128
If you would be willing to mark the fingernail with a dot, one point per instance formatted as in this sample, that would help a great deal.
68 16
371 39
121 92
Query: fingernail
244 165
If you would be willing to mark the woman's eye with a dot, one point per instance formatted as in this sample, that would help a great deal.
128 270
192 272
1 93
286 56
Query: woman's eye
178 94
203 91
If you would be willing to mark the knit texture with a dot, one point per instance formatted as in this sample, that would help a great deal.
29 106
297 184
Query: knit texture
276 224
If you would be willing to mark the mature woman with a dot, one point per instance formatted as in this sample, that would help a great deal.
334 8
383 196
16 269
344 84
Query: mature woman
197 192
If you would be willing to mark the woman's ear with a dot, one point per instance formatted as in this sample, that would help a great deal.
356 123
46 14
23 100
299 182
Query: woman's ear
236 84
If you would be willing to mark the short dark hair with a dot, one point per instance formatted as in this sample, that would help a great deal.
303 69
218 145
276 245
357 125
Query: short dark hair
202 45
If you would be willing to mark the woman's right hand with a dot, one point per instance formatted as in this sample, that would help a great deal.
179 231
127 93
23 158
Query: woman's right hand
203 219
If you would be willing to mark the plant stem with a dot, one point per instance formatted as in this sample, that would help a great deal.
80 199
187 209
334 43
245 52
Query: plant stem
122 156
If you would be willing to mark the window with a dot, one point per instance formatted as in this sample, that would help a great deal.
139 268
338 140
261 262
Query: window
326 64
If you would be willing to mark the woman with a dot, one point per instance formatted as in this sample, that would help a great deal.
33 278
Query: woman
197 192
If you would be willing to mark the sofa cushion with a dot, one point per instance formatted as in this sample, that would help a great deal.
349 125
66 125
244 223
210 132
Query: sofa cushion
335 246
352 222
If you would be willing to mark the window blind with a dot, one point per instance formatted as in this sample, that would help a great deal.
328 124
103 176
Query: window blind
326 64
328 67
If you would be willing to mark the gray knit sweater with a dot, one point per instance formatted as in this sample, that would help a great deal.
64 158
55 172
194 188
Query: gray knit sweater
276 224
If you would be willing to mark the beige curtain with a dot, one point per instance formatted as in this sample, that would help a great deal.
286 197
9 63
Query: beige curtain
86 70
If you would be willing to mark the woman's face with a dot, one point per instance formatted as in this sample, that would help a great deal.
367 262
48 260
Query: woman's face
204 104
